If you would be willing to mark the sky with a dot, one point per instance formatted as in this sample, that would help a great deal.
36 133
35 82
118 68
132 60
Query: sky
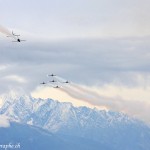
102 46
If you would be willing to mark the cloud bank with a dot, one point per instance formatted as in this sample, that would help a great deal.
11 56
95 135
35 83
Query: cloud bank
4 122
130 107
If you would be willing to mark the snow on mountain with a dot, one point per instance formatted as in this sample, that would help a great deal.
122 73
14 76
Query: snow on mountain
104 127
54 116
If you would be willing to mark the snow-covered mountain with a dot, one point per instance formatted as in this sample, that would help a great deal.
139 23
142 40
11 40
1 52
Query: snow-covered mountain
112 129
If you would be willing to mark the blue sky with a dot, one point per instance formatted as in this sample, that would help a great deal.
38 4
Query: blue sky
101 45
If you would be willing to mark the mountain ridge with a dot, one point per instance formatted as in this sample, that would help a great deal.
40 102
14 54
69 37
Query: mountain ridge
99 126
14 107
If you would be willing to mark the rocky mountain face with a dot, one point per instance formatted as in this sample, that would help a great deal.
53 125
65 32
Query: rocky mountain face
90 128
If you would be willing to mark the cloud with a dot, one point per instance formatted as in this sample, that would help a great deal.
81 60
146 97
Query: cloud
94 62
5 31
3 67
4 122
116 103
78 19
14 78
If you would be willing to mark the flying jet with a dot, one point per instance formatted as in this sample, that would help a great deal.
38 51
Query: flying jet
66 82
56 86
43 83
53 81
17 39
52 75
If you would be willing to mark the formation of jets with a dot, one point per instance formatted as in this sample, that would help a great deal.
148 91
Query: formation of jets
55 82
16 37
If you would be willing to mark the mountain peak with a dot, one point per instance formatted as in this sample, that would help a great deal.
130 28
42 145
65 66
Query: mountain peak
54 116
65 119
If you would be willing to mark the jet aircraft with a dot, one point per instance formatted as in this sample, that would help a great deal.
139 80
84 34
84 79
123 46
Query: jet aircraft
16 37
52 75
43 83
56 86
66 82
53 81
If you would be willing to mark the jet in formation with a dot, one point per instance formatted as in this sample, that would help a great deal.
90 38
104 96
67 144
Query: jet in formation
55 82
56 86
52 75
16 37
66 82
43 83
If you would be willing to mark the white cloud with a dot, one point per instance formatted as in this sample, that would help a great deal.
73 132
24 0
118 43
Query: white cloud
62 18
1 102
3 67
56 94
15 78
4 122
